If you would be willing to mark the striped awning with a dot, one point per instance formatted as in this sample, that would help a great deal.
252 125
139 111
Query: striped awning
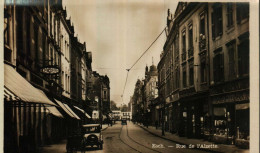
64 108
9 96
21 88
86 114
71 111
54 111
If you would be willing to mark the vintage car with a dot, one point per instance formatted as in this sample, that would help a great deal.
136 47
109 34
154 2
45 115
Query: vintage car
92 135
123 122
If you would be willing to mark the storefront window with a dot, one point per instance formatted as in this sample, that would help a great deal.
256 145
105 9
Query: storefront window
220 122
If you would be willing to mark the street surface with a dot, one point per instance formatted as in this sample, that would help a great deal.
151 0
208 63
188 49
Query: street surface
127 138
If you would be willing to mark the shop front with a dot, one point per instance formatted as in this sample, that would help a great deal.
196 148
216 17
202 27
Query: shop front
25 113
193 115
231 113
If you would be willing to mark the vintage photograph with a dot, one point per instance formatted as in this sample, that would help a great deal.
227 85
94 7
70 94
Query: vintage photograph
126 76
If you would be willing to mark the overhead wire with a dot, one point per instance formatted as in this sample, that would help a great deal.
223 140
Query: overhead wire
128 70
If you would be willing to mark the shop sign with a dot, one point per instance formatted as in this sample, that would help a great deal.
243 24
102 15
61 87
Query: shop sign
50 69
230 98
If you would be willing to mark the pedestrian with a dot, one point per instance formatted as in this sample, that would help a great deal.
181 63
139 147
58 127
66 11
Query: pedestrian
156 124
111 122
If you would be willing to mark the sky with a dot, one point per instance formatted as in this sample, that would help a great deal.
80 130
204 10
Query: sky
117 32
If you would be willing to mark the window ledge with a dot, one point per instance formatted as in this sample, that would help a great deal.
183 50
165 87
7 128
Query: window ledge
218 37
230 29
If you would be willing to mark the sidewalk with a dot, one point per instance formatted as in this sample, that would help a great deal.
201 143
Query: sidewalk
55 148
222 148
104 127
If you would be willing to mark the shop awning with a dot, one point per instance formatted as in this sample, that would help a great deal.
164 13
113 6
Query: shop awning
242 106
20 87
71 111
54 111
64 108
9 96
82 111
50 110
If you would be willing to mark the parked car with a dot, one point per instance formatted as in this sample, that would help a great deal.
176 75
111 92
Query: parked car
92 135
124 122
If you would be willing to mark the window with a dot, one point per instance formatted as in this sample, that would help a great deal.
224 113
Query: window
231 60
6 31
190 52
184 82
242 11
216 20
62 80
203 74
218 64
183 46
105 94
202 24
65 83
176 44
243 57
202 37
191 76
229 14
7 51
177 77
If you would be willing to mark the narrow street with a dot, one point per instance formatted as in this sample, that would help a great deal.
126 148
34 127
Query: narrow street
127 138
175 76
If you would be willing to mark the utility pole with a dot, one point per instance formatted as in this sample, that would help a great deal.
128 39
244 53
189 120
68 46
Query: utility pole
163 116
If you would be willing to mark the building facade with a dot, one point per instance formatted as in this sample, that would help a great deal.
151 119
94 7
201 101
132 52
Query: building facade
46 76
203 79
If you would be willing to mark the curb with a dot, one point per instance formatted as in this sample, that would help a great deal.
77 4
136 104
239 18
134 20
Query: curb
203 149
104 128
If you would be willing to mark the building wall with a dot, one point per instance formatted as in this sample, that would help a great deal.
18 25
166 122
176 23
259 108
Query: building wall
230 34
65 56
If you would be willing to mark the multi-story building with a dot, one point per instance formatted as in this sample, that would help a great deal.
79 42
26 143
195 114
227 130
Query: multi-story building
193 70
229 71
76 76
105 94
209 45
99 88
150 93
45 65
34 56
65 32
137 102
